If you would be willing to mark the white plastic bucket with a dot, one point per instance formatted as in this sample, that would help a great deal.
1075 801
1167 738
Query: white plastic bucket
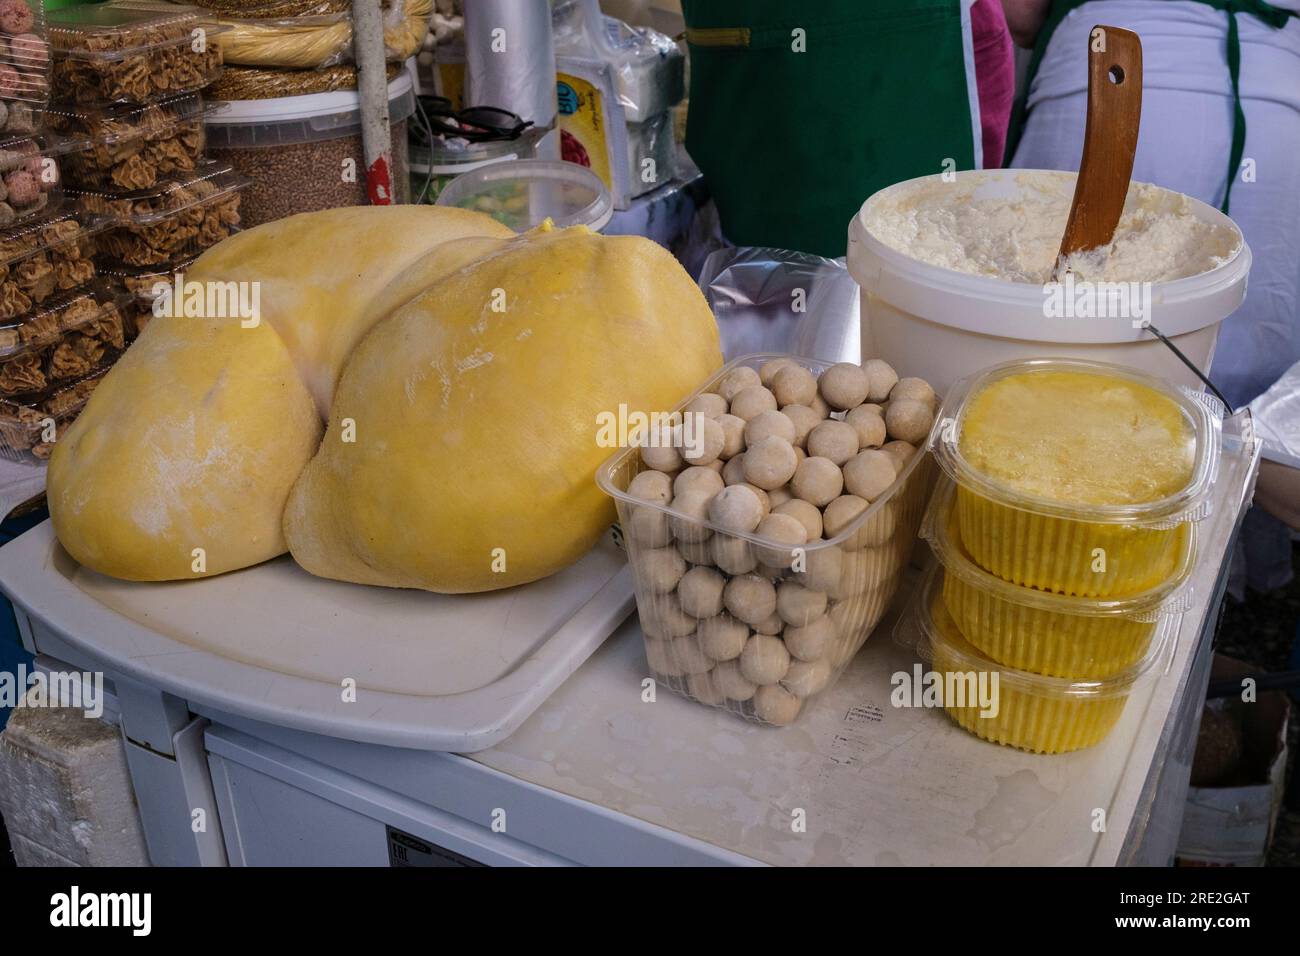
943 325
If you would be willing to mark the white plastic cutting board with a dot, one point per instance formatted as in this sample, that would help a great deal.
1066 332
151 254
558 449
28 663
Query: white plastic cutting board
434 672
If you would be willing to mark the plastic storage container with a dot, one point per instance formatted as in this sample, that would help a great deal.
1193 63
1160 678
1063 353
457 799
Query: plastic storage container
138 285
43 258
434 167
1060 543
64 341
747 623
24 67
946 325
1053 634
29 428
304 153
1003 705
105 54
524 192
177 217
31 179
130 146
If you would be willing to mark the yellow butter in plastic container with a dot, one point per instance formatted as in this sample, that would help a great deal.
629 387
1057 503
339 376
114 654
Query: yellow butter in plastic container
1053 634
1073 476
1016 708
741 621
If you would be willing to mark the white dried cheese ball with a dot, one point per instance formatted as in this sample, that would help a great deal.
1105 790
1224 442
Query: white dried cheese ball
900 451
869 424
658 654
787 532
708 403
648 528
805 678
882 377
799 456
732 683
821 568
686 651
869 474
764 501
733 436
779 496
879 529
733 472
909 420
764 659
769 369
917 389
722 637
844 385
697 552
794 385
817 481
810 642
651 486
716 467
737 380
733 555
798 605
701 441
663 617
750 598
736 508
661 568
692 510
770 463
804 420
748 402
773 625
704 689
841 512
700 592
857 574
833 439
819 407
770 572
696 478
776 705
769 423
659 450
805 513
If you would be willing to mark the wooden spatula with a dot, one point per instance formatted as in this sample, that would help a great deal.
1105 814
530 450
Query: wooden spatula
1109 139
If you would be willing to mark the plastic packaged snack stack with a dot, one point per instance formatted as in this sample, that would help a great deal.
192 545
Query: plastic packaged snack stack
125 146
43 258
24 67
755 609
177 217
30 427
1073 476
106 54
1046 633
31 178
140 287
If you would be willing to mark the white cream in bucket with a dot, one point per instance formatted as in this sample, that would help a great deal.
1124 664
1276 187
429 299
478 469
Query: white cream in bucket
943 324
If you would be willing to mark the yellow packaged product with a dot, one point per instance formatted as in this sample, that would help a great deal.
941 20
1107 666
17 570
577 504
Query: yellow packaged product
1073 476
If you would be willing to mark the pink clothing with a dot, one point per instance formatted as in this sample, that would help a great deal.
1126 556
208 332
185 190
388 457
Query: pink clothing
995 76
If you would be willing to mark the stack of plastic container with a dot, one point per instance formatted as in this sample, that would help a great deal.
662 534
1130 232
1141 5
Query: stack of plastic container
128 110
58 329
1065 531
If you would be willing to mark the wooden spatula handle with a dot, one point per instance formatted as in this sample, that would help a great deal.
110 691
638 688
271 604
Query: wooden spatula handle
1109 140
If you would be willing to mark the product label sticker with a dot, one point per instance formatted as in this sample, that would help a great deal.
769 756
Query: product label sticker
582 126
407 850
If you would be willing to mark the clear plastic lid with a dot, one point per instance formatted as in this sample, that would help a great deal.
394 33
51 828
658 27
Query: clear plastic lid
210 183
42 257
112 123
928 628
522 193
1169 597
102 32
31 426
1200 415
55 318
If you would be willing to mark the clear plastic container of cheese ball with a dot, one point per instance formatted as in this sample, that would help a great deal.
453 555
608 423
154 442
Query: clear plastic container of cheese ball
748 623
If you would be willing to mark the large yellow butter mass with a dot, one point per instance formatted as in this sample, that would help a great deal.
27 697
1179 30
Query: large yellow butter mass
474 453
474 412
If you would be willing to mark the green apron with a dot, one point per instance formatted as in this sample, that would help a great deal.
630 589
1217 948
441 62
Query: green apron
1269 14
793 140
